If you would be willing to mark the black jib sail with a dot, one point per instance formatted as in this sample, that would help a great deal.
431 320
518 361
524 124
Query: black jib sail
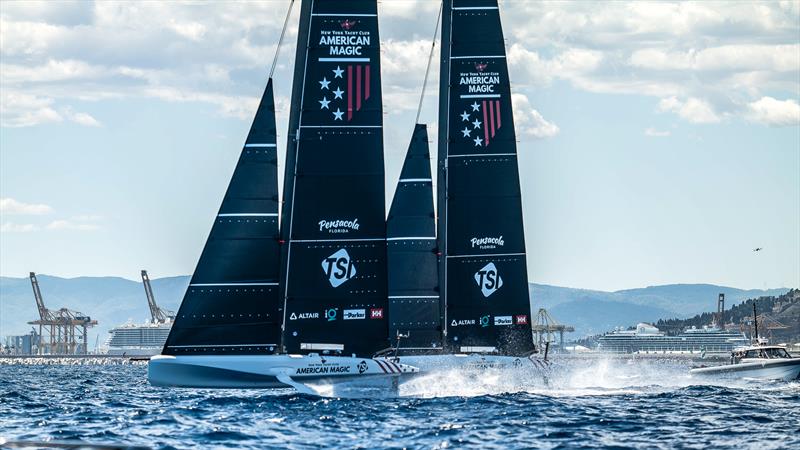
333 223
414 310
232 305
485 282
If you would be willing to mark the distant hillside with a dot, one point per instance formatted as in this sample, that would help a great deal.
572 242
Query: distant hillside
112 301
594 312
775 313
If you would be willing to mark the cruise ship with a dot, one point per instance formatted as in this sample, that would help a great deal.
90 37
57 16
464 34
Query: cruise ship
138 339
647 339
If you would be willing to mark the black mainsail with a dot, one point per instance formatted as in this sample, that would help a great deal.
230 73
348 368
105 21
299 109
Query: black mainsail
483 268
232 305
414 309
333 279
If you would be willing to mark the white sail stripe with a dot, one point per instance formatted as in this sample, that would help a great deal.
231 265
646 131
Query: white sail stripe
320 346
343 15
341 126
260 145
338 240
412 238
460 8
413 296
248 215
479 57
478 349
414 180
343 60
480 96
222 345
467 155
231 284
486 255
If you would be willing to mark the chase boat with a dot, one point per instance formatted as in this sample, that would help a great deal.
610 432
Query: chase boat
760 361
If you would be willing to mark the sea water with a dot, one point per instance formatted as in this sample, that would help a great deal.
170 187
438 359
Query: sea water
584 403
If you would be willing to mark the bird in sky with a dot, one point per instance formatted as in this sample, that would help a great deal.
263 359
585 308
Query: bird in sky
758 249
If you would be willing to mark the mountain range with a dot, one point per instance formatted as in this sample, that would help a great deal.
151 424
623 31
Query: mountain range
113 301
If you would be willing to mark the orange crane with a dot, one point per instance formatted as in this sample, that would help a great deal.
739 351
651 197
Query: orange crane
66 330
158 314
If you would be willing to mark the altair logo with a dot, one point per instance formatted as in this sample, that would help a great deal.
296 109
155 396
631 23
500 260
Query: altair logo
338 268
486 243
339 226
488 279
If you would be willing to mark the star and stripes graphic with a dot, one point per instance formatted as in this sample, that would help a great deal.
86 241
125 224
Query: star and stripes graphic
346 91
481 119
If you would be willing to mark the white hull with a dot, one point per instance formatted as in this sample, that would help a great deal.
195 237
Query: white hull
266 371
431 363
787 370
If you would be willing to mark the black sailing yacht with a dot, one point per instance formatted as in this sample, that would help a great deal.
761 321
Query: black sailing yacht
270 310
483 281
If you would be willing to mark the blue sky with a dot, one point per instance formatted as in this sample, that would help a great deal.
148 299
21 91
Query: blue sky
659 142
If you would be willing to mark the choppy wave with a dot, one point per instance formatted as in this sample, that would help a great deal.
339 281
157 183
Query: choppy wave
583 403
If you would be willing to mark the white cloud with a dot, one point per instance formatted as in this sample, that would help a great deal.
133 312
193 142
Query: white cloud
62 224
770 111
694 110
11 206
10 227
529 121
652 132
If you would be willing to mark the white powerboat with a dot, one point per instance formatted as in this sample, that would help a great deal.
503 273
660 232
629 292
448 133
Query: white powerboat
760 361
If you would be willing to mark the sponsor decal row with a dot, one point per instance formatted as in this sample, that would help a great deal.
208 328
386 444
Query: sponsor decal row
485 321
332 314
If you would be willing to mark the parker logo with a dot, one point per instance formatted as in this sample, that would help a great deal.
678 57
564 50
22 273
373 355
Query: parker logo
339 226
354 314
376 313
521 319
458 323
502 320
338 268
488 279
484 321
331 314
486 243
301 316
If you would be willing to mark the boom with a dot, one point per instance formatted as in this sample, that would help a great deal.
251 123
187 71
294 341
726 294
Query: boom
44 313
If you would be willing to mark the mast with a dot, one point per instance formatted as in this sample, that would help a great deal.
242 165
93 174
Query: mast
333 278
441 191
414 310
483 269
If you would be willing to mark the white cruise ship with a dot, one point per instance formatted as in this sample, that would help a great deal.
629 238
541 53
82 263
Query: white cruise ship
138 339
647 339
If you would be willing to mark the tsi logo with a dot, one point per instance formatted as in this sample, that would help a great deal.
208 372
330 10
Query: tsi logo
354 314
488 279
338 268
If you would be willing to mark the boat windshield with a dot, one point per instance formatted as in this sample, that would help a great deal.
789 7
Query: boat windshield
767 353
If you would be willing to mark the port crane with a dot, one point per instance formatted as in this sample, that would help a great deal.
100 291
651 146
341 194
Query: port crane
61 332
158 314
545 328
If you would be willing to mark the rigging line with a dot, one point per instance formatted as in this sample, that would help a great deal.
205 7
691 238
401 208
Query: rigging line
280 39
430 58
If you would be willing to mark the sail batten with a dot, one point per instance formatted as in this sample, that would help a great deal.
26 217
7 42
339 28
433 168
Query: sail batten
483 269
334 273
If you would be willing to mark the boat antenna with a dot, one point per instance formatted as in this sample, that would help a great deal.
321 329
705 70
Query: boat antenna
280 40
755 322
430 58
